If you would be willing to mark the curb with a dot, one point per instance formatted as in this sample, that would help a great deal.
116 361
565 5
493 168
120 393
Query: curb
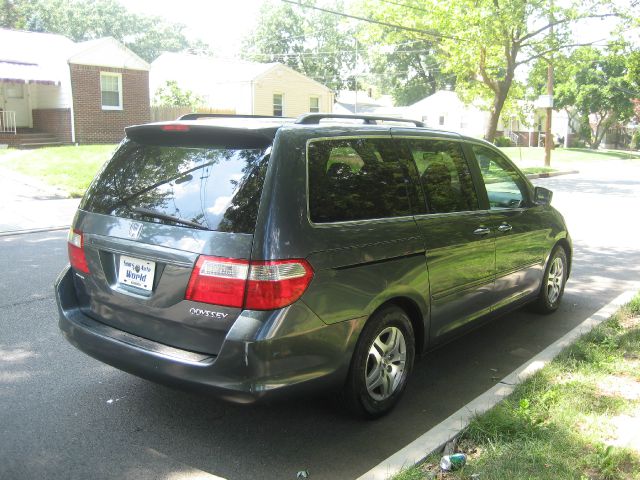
550 174
33 230
434 439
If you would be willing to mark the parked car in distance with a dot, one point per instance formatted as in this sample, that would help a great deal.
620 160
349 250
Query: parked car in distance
252 256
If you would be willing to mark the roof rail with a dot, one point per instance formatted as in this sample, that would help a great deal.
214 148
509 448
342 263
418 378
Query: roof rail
196 116
314 119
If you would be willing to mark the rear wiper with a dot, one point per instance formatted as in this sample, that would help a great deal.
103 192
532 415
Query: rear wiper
163 216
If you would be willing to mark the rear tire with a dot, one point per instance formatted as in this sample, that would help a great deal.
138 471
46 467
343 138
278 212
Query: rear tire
553 282
381 364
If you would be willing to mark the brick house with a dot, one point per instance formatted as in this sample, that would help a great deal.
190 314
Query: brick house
53 90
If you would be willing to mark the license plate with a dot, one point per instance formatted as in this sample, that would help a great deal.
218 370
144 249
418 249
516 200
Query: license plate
136 272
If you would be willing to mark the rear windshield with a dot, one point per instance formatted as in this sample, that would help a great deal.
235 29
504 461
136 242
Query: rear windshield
213 187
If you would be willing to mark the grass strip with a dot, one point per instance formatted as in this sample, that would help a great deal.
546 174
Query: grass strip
577 418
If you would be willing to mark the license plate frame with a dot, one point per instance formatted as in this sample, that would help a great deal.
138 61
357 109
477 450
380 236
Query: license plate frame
136 272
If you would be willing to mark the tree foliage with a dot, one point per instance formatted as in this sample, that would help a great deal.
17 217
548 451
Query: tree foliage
81 20
483 42
596 85
317 44
171 95
408 69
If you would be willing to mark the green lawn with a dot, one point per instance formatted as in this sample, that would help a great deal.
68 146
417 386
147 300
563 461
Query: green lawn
566 421
563 158
69 168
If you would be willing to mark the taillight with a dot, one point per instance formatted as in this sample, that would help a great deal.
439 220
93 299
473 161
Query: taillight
75 246
220 281
276 284
264 285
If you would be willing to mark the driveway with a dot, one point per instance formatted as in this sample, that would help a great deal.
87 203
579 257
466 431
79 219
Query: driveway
65 415
26 204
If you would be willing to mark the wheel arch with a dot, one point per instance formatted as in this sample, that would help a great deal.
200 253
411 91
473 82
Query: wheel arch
564 243
416 317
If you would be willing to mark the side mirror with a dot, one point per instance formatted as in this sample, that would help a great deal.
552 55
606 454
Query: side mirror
542 196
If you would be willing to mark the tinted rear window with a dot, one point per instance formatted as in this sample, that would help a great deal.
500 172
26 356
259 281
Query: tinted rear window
356 179
218 188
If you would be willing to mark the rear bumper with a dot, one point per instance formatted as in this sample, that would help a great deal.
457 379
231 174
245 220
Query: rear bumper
253 362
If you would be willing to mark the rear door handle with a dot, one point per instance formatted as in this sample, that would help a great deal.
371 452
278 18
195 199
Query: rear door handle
505 227
482 231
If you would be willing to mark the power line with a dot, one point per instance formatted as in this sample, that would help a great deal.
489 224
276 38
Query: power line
371 20
336 52
405 6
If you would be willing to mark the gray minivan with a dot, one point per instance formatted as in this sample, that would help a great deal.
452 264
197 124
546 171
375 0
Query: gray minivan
254 255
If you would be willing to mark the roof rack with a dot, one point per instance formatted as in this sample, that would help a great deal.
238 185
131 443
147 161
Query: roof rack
314 119
196 116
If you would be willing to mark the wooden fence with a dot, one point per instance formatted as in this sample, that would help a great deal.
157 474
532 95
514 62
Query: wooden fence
163 114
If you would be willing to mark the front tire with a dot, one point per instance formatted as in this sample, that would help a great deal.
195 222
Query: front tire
553 282
381 364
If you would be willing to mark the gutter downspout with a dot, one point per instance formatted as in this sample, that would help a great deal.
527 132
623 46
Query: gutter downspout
73 116
253 98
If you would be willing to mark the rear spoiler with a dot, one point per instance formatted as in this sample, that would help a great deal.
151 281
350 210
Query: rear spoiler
200 135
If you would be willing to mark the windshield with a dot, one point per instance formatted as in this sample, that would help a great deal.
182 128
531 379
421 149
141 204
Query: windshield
215 187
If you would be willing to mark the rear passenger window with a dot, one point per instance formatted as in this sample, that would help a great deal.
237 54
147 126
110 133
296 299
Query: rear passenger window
356 179
444 175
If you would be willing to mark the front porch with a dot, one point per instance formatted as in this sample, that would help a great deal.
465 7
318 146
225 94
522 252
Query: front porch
29 138
34 109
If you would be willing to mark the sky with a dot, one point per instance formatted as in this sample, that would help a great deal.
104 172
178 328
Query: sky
221 23
224 23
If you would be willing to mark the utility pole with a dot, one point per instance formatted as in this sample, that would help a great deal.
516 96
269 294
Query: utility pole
548 137
355 79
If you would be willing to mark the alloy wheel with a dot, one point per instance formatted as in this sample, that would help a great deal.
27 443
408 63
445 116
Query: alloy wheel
386 362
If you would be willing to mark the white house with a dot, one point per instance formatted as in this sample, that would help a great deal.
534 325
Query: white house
445 111
248 88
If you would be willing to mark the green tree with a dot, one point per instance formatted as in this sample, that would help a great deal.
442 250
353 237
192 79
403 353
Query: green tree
171 95
593 86
317 44
408 69
483 42
81 20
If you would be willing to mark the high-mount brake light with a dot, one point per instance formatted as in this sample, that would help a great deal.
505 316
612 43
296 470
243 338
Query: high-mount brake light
75 246
258 285
175 128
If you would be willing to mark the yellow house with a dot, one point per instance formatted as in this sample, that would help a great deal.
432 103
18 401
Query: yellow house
248 88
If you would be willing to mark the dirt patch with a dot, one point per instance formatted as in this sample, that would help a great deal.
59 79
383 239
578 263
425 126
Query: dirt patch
619 386
629 322
626 432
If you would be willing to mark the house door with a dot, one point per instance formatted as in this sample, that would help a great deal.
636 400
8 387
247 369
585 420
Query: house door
13 97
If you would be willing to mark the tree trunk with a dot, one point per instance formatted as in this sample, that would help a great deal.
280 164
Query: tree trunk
496 110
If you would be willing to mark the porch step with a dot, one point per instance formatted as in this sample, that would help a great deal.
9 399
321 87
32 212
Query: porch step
53 142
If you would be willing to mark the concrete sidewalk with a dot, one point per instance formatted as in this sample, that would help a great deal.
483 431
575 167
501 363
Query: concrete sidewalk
27 204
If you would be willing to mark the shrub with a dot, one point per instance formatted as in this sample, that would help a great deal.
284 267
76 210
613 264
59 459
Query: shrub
502 142
635 140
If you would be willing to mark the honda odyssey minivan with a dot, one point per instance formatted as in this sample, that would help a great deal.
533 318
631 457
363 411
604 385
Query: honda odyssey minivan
250 256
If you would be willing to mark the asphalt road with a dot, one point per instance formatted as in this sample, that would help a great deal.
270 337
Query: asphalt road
64 415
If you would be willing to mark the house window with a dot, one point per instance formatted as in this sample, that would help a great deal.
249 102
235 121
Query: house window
278 105
441 120
111 90
14 90
314 105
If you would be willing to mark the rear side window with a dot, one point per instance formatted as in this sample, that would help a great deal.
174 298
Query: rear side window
356 179
444 175
217 188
